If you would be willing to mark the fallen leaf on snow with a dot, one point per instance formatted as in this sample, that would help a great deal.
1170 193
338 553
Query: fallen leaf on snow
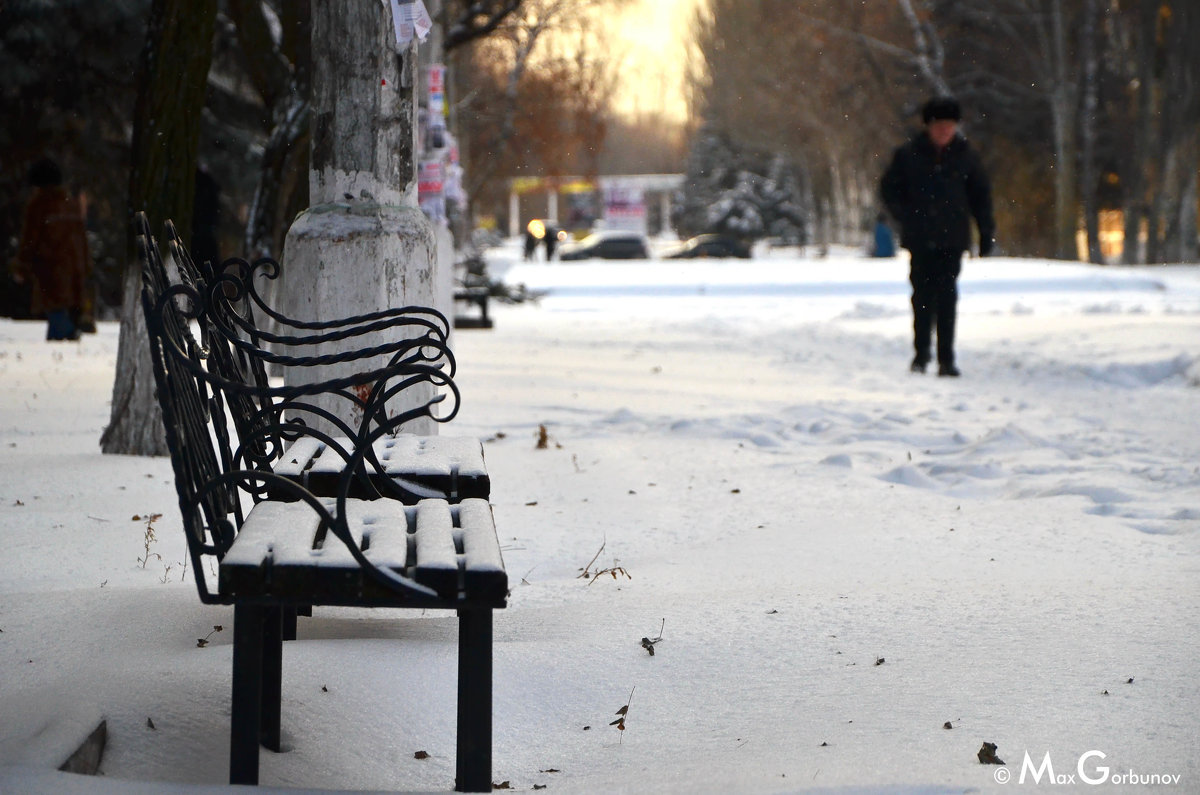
987 755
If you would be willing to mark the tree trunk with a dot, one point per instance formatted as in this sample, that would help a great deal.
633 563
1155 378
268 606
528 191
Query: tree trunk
363 245
1165 161
166 139
1134 178
929 57
279 70
1089 178
282 162
1064 177
1063 114
1187 17
1179 115
1189 245
1176 205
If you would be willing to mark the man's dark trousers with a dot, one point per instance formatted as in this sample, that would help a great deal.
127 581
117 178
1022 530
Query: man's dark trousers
934 278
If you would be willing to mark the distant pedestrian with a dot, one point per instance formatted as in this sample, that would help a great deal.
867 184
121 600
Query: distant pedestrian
53 254
551 240
934 186
884 243
534 231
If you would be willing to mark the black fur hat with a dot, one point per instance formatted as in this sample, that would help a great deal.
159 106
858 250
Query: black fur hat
941 108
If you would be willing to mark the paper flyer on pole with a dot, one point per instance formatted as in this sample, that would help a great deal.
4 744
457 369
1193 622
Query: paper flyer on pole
411 20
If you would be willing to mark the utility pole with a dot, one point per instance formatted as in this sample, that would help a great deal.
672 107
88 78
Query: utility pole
363 245
432 147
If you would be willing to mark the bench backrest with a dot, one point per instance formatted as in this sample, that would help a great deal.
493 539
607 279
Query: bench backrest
246 337
193 415
207 365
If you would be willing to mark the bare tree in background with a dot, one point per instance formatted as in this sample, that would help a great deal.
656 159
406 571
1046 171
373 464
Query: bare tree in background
1172 216
1089 91
1081 105
830 89
526 102
1028 54
274 50
466 21
276 56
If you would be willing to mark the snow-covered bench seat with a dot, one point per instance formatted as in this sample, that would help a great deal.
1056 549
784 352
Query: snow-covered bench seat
284 550
420 467
266 544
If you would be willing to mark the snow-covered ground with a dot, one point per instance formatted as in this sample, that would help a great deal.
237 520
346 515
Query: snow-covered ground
859 575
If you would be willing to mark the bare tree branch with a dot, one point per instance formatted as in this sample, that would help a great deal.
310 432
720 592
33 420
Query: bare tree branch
469 20
929 55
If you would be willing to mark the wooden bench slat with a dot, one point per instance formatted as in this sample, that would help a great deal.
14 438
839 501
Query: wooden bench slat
387 527
274 555
445 467
432 455
297 457
436 563
483 566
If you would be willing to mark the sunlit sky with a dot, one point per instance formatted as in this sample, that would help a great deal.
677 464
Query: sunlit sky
654 33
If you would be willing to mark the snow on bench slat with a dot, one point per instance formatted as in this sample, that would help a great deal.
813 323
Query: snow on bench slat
294 543
385 525
478 531
437 559
484 576
421 456
432 455
269 528
419 491
297 456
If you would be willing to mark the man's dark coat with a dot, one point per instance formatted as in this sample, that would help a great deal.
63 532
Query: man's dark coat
933 195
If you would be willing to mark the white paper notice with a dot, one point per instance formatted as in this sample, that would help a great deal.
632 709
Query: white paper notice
411 19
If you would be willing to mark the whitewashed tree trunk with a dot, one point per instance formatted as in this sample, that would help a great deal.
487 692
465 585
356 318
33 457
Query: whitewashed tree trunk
363 245
136 425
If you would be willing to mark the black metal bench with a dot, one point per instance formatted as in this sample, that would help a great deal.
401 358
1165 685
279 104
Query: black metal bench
472 287
273 543
402 466
479 296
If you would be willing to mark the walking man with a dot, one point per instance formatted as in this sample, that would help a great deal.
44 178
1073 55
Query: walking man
933 188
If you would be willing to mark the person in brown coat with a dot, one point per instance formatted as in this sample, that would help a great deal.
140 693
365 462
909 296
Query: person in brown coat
53 254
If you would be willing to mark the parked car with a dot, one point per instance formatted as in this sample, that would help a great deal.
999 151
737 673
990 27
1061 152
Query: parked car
709 246
607 245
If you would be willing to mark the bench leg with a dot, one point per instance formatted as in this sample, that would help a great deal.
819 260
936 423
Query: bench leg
246 707
272 676
289 623
289 619
474 761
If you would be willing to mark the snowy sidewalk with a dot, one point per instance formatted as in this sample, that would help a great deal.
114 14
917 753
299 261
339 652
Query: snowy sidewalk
841 557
